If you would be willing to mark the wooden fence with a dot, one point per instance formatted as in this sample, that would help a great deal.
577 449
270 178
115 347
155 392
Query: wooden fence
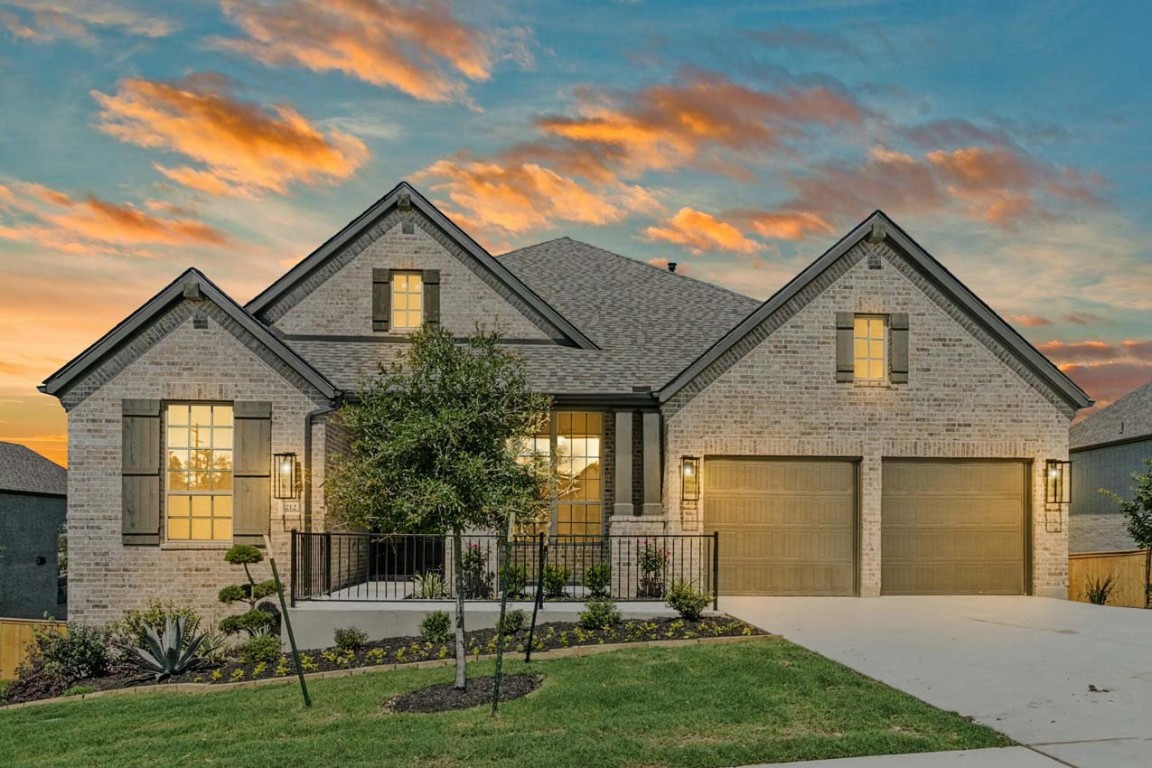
1127 567
15 635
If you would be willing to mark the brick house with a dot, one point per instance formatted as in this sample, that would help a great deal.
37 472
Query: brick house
871 428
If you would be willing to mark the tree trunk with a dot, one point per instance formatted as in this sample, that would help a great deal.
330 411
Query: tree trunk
458 572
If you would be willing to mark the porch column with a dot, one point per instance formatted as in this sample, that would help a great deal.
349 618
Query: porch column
652 500
623 458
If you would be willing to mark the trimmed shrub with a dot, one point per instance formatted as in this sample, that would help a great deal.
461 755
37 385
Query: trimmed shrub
263 648
686 600
436 627
598 580
556 580
255 623
600 613
513 580
350 638
514 621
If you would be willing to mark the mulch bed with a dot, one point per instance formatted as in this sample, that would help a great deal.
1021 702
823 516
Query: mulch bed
445 697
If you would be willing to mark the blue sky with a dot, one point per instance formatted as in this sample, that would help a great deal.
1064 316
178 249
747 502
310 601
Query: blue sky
738 139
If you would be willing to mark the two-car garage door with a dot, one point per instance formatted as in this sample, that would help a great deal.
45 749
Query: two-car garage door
789 526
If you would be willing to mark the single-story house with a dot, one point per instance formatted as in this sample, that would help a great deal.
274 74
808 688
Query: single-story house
1106 449
33 504
872 428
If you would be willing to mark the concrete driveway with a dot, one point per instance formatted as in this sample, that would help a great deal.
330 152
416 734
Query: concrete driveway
1071 680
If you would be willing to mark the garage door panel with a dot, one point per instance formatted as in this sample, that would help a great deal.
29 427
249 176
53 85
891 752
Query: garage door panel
787 527
953 527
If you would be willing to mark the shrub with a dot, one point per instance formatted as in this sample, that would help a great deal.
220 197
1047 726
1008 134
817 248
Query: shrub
255 623
653 561
251 593
1098 590
514 621
57 660
436 627
477 579
556 580
261 649
171 653
687 601
350 638
600 613
132 628
513 579
428 586
598 580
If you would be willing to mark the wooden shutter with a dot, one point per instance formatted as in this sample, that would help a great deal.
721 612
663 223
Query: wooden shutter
252 472
845 353
432 296
140 472
381 299
899 343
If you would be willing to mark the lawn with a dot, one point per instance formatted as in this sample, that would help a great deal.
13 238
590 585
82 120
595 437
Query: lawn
704 705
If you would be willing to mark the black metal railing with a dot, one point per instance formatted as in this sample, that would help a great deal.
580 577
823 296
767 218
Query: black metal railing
367 567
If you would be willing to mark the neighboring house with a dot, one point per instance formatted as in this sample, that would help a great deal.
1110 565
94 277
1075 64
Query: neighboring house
33 503
872 428
1106 449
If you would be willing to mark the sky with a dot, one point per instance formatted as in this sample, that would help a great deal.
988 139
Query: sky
739 140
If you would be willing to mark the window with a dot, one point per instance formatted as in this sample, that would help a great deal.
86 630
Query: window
573 441
870 345
198 488
407 301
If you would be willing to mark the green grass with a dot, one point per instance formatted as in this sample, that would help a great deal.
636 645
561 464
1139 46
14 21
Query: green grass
708 705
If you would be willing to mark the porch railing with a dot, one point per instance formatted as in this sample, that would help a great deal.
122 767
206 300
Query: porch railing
367 567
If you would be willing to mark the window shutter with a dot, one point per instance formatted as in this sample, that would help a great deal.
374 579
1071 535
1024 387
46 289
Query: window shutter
899 325
140 472
845 353
381 299
432 296
252 472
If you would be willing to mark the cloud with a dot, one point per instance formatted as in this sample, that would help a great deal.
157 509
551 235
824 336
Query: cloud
421 49
243 148
48 20
784 225
700 232
1029 321
1106 370
1085 318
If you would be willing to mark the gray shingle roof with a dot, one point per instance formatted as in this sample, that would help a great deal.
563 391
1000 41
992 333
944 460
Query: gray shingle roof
1128 417
647 322
24 470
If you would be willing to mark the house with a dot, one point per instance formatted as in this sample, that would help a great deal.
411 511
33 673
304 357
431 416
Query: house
873 428
33 503
1107 448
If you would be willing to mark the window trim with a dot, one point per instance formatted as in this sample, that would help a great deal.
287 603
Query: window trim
167 492
886 352
392 293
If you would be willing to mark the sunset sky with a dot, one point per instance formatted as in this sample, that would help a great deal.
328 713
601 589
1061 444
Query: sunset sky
738 139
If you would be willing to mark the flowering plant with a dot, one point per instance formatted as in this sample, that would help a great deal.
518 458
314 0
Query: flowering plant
653 560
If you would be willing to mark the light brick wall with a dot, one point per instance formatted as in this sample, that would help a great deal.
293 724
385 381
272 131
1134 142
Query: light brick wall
342 304
963 399
107 578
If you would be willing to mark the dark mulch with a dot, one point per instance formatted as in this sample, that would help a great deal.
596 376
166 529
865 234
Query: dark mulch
445 697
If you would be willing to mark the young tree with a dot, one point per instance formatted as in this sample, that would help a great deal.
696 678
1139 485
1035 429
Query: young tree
1138 518
437 444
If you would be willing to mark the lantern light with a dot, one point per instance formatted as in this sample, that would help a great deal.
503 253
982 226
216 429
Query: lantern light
689 479
286 475
1057 482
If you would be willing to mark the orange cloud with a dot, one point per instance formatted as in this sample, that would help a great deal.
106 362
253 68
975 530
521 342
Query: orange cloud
421 49
786 225
244 148
47 20
1106 370
1029 321
699 232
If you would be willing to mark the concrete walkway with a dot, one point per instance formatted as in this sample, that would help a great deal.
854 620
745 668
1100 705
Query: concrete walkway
1071 680
1008 757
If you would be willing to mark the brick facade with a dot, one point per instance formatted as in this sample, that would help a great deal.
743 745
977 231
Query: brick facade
964 398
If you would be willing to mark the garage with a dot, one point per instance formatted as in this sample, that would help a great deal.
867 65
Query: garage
954 527
787 526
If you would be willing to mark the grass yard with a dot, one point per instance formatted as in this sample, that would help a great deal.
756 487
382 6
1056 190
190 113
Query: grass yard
708 705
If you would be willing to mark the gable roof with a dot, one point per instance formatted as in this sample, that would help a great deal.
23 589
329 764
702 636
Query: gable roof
879 226
25 471
1129 418
195 283
405 193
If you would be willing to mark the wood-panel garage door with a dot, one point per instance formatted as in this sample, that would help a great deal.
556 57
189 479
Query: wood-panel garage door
787 526
953 527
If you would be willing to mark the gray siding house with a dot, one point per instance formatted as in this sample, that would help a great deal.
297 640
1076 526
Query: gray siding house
33 504
873 428
1106 449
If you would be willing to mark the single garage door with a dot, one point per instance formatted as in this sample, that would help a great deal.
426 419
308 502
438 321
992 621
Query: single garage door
787 526
953 527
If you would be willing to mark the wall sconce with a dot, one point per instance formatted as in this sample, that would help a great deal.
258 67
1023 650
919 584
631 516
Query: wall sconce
285 475
689 479
1057 482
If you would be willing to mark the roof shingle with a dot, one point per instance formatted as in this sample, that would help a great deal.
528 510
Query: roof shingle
1128 417
25 471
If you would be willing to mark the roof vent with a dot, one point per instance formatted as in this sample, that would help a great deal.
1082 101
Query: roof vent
200 321
671 266
408 227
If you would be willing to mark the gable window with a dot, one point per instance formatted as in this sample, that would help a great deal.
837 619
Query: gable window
407 301
198 485
870 345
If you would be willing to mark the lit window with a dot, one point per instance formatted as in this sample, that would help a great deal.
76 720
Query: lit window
407 301
871 348
577 454
198 488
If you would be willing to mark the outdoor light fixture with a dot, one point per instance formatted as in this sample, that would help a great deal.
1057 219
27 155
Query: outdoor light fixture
285 482
689 479
1057 482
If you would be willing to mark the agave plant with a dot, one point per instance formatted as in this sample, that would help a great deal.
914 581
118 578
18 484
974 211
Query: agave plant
169 654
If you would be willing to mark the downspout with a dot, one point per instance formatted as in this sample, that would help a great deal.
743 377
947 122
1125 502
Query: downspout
309 422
